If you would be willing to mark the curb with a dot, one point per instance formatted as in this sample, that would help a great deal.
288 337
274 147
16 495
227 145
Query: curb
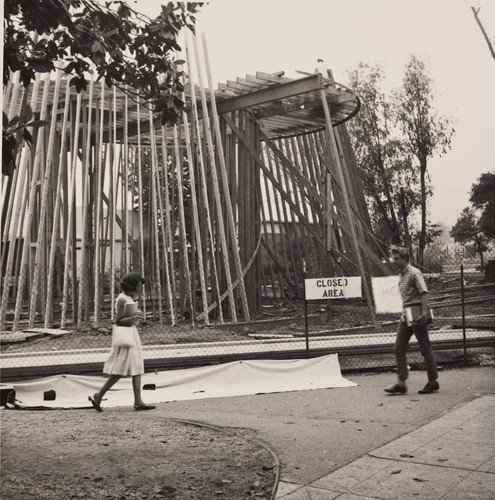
257 441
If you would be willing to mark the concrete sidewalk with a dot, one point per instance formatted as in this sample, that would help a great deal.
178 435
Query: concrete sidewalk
322 432
452 457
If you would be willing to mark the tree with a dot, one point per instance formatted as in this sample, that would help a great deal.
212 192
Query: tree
125 48
425 132
387 176
483 198
487 39
467 228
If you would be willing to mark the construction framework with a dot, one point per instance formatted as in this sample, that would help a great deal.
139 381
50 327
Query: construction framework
255 187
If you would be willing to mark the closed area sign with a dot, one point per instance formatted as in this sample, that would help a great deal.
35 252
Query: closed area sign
332 288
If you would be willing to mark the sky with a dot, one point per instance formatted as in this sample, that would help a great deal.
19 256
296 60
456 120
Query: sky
245 36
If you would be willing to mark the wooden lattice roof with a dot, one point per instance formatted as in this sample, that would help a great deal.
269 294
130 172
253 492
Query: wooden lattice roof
287 106
284 106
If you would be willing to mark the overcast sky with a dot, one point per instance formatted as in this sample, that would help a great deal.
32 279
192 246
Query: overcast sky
288 35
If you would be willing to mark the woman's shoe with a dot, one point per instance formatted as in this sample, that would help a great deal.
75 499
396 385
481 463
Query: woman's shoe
94 402
143 407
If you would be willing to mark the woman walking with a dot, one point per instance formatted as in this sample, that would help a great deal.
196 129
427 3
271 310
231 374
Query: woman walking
125 361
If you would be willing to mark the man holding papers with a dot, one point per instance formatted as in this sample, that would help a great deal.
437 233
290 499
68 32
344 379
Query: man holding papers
415 317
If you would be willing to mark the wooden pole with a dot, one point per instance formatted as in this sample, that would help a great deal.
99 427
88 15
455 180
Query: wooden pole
216 189
223 172
182 223
284 222
277 201
56 211
23 271
98 202
125 208
44 196
154 194
165 229
140 200
15 188
195 216
83 271
203 182
6 190
168 248
111 202
69 245
19 203
332 146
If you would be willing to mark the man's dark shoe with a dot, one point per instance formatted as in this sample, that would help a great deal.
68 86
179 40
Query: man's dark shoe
396 389
429 388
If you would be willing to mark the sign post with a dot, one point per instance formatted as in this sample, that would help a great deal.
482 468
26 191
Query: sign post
345 287
306 311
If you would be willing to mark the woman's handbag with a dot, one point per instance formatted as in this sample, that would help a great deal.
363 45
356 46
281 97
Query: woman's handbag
123 336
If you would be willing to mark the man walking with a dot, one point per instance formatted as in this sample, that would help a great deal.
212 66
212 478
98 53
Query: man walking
413 290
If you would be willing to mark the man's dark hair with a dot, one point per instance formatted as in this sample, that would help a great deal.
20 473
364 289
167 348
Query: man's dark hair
402 252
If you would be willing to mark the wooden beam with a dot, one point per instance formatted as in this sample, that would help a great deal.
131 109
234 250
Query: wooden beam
274 181
272 93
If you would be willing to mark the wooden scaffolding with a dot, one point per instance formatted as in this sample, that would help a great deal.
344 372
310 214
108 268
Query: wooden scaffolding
253 187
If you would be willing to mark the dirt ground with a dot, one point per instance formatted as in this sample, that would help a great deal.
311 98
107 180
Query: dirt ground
123 454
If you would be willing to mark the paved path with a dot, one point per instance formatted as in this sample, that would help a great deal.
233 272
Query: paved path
340 431
451 458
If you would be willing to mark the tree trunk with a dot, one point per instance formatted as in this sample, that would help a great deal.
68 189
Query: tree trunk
422 235
480 251
407 236
394 226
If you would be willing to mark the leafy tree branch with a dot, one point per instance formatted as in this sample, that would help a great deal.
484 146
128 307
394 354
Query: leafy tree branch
123 47
487 39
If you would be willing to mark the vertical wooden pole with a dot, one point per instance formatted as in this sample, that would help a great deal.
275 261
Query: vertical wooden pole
44 195
154 194
69 244
285 220
83 270
140 199
195 216
125 183
111 202
168 249
281 217
182 223
6 189
332 146
19 203
216 189
223 172
203 183
13 212
24 267
98 212
165 220
56 212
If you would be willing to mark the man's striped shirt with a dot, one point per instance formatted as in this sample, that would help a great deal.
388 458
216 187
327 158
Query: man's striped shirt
411 285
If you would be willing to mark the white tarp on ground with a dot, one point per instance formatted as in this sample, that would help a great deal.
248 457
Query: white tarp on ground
238 378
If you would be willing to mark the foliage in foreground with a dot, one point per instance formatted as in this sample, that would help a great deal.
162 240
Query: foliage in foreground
124 48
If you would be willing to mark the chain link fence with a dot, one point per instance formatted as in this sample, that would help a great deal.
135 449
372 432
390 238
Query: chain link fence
462 294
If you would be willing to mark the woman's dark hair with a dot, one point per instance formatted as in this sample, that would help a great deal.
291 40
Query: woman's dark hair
130 282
